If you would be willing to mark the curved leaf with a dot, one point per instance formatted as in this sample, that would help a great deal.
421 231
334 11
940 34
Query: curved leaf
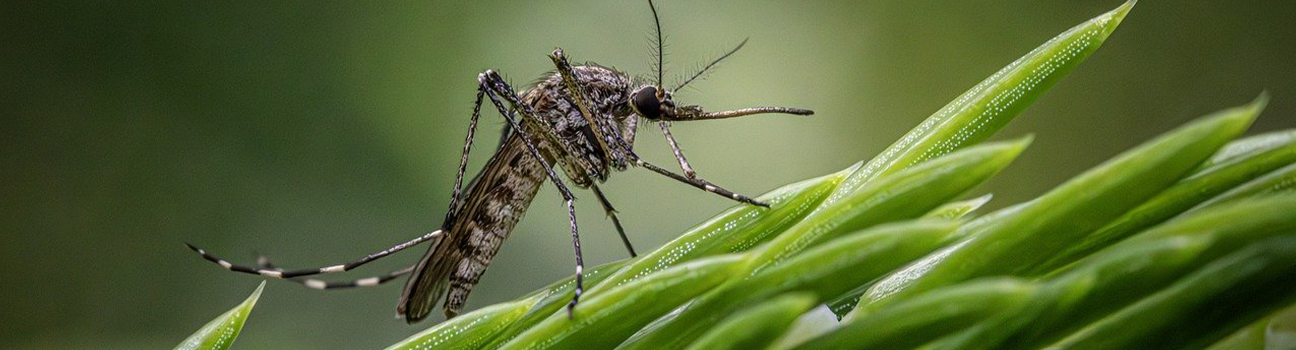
757 326
603 320
981 111
220 333
1048 224
470 330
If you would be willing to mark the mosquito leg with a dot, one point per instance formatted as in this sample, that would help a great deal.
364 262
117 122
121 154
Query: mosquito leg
496 87
463 161
270 271
699 183
265 268
612 214
263 262
362 282
679 155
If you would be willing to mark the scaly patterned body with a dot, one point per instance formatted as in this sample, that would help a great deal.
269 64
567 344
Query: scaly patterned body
498 197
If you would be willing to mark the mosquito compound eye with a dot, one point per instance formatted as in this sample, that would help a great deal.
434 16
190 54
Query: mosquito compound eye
646 103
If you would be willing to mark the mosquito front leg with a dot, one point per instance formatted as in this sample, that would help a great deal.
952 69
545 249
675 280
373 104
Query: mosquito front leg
679 155
495 87
278 273
697 182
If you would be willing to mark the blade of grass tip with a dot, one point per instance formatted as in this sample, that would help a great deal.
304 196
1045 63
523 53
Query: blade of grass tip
925 317
604 320
959 209
1202 307
470 330
1229 226
220 333
846 303
1055 220
904 195
1199 186
981 111
756 327
550 299
1251 144
825 271
1277 181
952 211
814 323
735 230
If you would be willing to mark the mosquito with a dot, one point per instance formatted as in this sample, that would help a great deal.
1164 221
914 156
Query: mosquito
580 119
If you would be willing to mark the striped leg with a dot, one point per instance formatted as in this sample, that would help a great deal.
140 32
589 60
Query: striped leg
362 282
278 273
496 88
612 214
263 262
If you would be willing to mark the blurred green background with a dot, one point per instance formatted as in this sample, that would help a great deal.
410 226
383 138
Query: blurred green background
318 132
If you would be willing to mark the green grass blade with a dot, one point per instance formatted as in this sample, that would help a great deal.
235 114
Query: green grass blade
1230 226
1052 222
604 320
1277 181
470 330
916 321
1250 145
825 271
1106 283
735 230
220 333
1201 185
1203 307
550 299
756 327
957 210
904 195
981 111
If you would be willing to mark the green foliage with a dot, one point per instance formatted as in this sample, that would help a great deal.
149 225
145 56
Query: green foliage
1185 241
220 333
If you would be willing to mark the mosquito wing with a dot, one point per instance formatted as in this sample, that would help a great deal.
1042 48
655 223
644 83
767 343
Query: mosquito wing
493 203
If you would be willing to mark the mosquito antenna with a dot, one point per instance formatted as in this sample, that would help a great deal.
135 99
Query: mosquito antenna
704 69
660 56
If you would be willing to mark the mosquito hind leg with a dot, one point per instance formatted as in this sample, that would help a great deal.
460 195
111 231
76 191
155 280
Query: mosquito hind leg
495 88
359 282
263 262
267 270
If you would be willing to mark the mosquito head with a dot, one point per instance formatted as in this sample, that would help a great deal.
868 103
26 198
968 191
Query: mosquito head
653 103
